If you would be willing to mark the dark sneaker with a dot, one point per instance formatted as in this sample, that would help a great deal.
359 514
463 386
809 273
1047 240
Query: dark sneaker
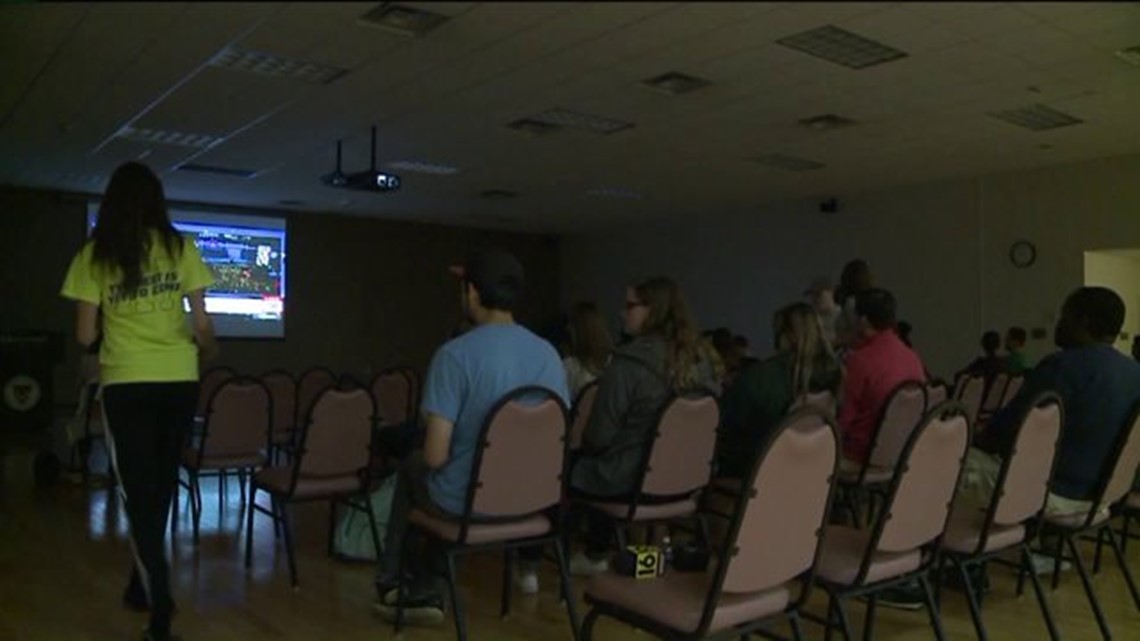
419 609
904 597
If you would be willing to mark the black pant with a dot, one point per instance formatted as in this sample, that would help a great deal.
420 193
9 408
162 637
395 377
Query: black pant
148 424
422 556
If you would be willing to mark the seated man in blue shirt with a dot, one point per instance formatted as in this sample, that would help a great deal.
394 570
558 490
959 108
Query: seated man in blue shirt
467 376
1098 386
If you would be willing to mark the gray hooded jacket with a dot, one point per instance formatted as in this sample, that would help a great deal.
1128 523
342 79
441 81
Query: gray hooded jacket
632 392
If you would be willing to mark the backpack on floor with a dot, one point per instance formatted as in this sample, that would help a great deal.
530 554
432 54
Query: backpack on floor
353 538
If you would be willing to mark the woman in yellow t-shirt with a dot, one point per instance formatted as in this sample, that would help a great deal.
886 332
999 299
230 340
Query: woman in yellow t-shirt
136 270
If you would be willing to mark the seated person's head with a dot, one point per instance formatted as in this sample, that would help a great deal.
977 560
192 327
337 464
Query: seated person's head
856 277
1015 339
821 295
904 329
655 306
740 345
991 341
798 329
590 340
876 311
1090 315
492 281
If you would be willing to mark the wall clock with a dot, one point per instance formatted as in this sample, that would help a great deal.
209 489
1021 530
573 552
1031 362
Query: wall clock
1022 254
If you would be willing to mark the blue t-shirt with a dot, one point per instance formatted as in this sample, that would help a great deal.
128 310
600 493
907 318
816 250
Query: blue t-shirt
467 376
1098 387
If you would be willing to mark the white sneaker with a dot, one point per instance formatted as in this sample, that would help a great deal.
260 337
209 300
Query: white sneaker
526 580
1043 564
582 565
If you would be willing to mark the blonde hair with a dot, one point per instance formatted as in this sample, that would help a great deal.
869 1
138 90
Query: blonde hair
799 323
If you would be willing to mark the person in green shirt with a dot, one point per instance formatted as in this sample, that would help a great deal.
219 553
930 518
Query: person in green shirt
133 275
1016 362
765 390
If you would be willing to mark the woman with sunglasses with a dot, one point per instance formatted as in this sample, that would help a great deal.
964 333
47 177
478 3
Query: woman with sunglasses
665 357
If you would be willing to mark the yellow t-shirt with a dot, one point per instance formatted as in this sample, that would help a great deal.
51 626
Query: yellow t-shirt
146 337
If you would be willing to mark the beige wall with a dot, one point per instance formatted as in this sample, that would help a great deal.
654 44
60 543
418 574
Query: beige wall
363 294
942 248
1121 274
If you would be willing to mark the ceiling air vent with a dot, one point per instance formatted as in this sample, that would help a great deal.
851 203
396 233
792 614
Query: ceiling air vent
826 122
789 163
1036 118
842 47
403 20
220 171
674 83
577 120
1130 55
497 194
533 127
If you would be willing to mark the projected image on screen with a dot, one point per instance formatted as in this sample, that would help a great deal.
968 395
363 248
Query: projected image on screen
247 256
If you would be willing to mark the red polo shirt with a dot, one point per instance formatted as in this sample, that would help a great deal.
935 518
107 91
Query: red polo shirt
874 369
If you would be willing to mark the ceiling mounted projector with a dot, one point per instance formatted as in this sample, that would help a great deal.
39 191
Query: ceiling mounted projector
367 180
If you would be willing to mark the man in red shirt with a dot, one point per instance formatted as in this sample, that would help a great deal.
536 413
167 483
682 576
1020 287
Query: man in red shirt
879 363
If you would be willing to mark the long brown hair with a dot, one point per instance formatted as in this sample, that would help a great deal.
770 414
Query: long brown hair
670 319
133 206
590 341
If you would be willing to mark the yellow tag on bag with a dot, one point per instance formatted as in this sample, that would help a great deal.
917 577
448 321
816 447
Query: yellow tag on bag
647 561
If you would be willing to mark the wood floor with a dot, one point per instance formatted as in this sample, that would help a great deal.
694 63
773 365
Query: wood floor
64 558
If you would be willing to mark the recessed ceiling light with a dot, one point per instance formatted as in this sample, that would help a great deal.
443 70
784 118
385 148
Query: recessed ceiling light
213 169
674 83
1131 55
622 193
403 20
577 120
497 194
842 47
267 64
789 163
1036 118
157 136
826 122
423 167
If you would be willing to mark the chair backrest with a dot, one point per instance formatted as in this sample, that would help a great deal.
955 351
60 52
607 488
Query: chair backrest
918 505
238 418
823 401
780 521
1023 482
901 414
337 436
519 466
995 393
680 459
283 390
969 393
1120 469
580 414
1011 389
393 394
314 381
936 394
209 381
